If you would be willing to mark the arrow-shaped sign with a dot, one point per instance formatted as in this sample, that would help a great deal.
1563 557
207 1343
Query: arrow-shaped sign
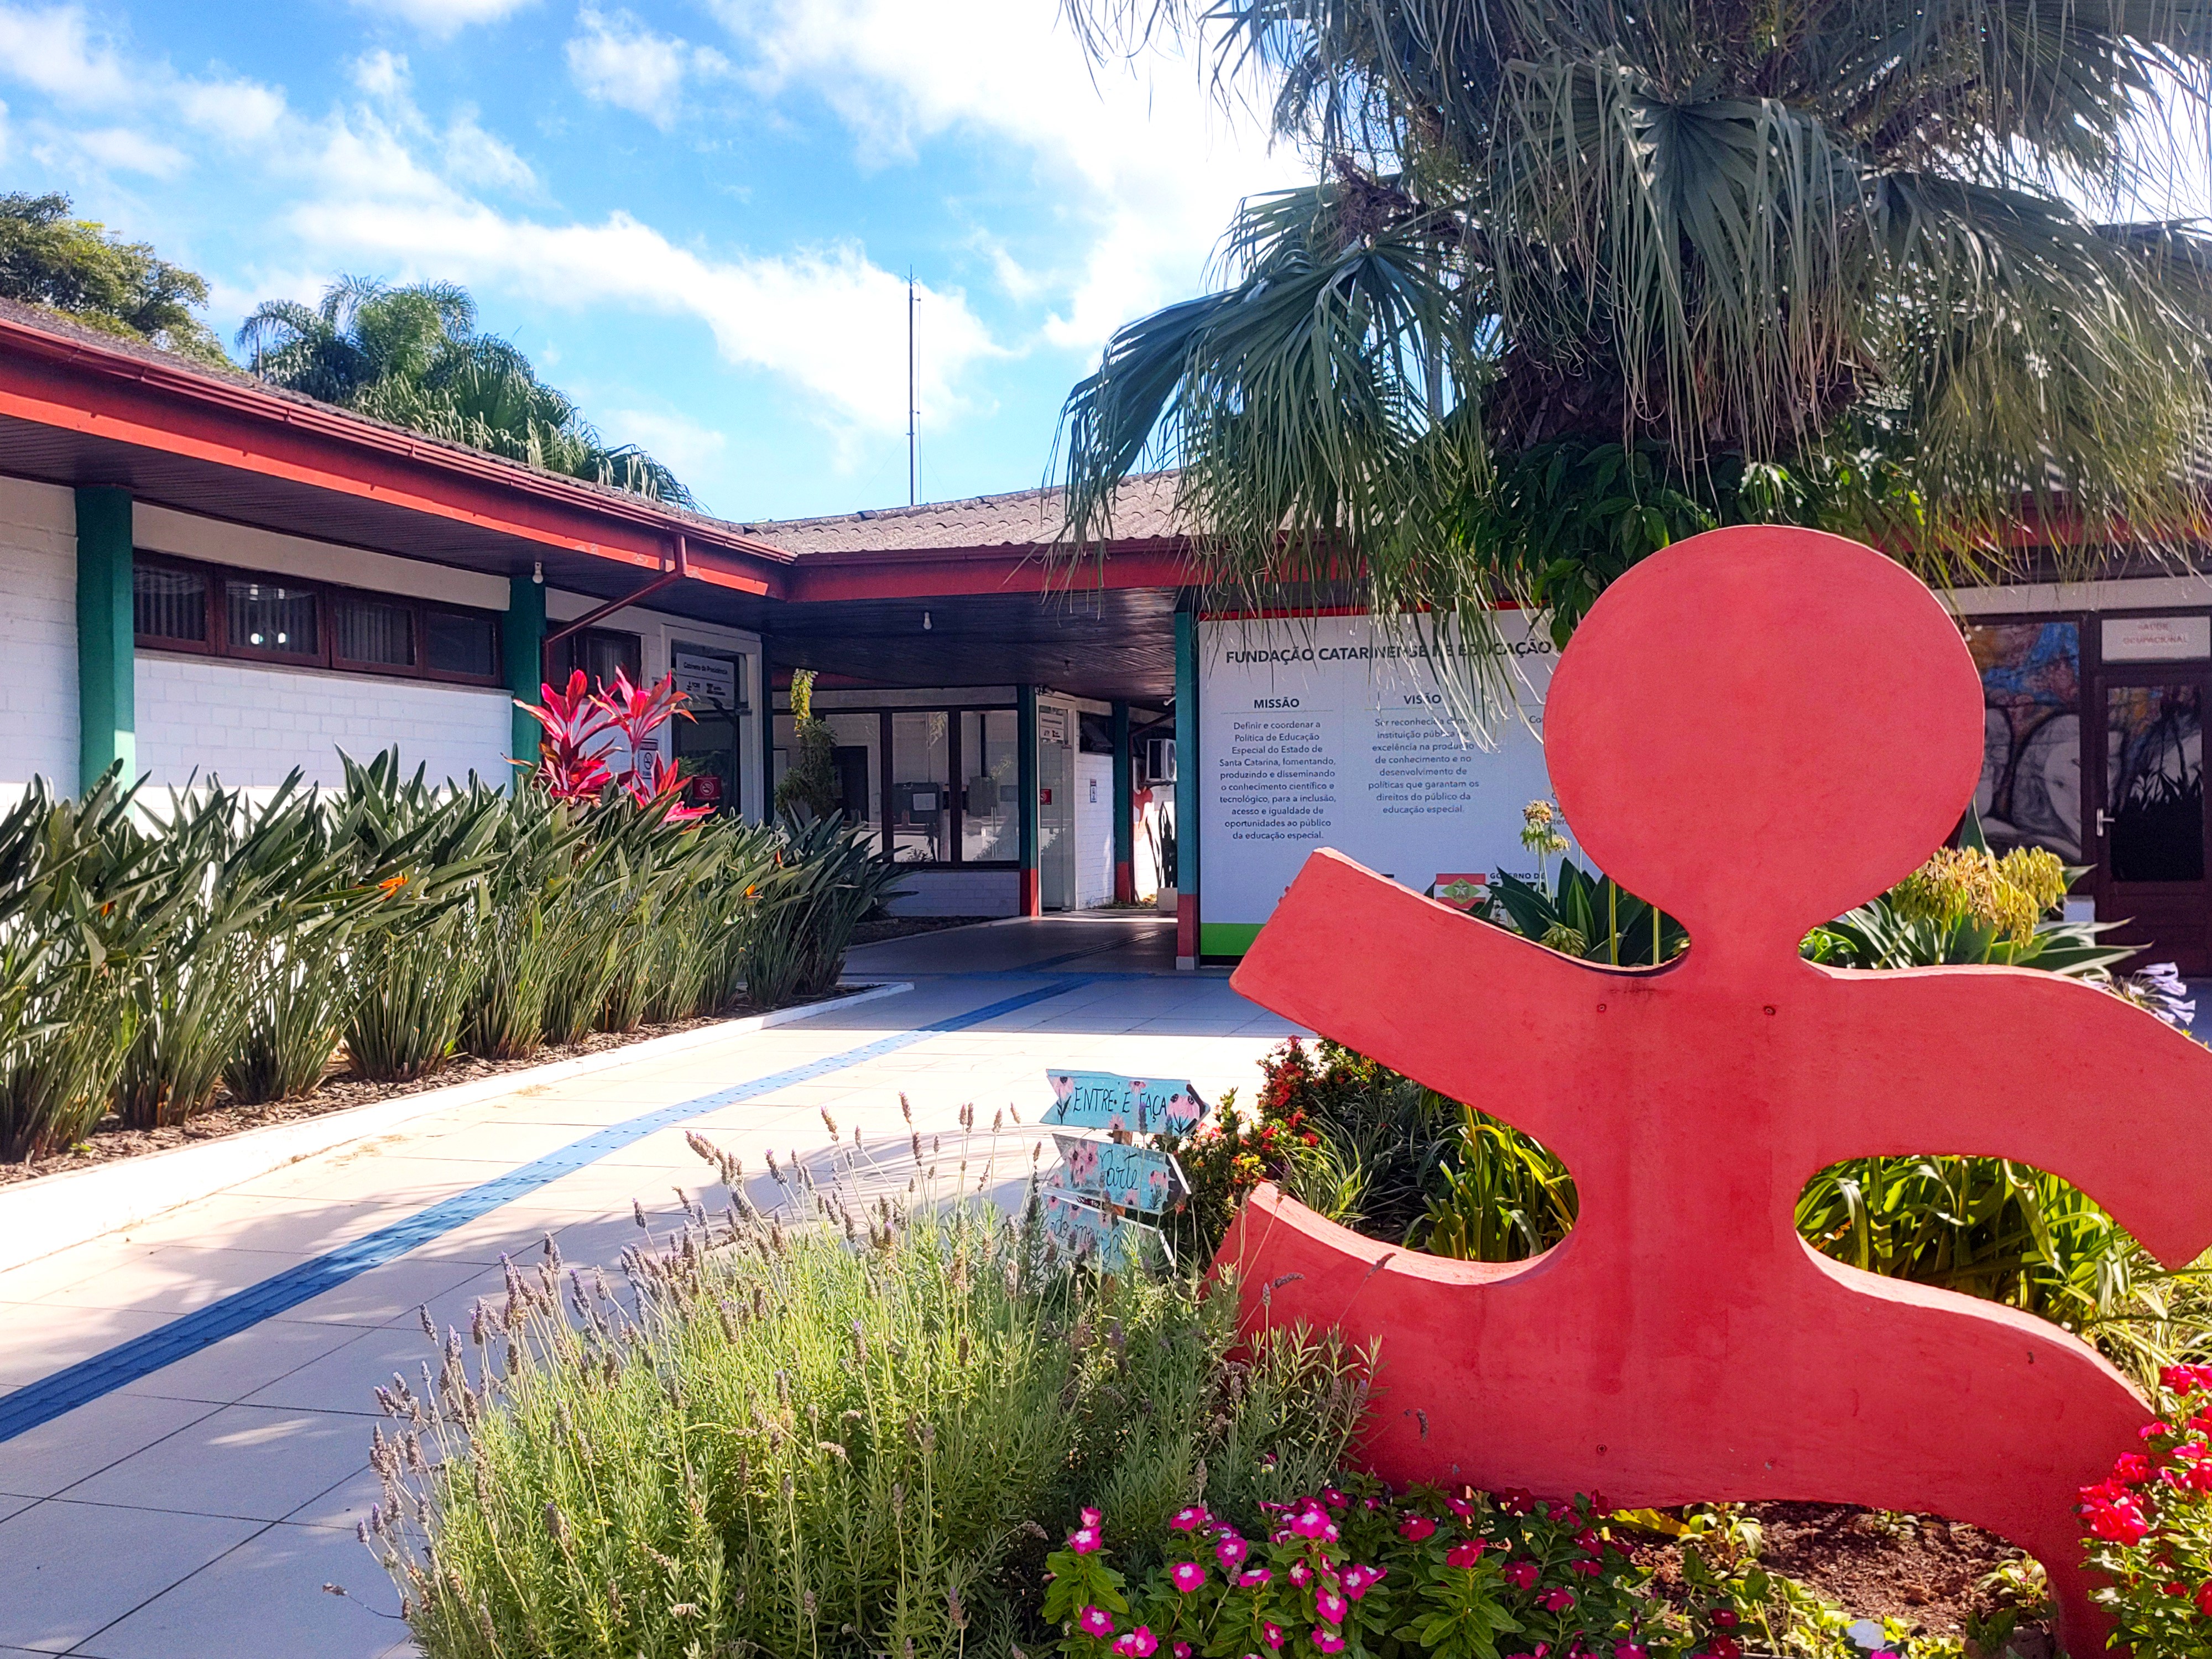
1103 1100
1088 1234
1134 1177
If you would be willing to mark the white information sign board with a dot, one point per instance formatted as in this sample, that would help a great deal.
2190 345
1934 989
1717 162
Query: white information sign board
2157 639
704 679
1332 731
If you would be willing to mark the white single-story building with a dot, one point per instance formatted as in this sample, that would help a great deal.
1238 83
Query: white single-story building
201 575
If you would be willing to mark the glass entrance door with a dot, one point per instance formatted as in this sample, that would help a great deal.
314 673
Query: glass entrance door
2149 827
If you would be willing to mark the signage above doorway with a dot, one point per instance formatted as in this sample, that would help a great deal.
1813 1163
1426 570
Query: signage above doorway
706 680
2157 639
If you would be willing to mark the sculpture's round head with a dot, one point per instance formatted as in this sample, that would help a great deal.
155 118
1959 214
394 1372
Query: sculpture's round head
1759 727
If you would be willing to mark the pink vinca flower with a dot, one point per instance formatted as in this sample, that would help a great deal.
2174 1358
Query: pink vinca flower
1139 1644
1083 1540
1521 1575
1093 1519
1327 1641
1463 1555
1330 1606
1094 1621
1272 1634
1557 1600
1230 1552
1299 1574
1254 1578
1415 1527
1192 1519
1187 1576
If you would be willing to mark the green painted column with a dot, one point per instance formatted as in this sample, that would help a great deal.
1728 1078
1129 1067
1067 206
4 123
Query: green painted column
1125 828
1025 741
1186 790
522 647
767 735
106 666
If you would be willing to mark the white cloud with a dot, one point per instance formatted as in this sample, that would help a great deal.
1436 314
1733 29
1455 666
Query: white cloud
118 149
239 112
826 319
616 60
382 73
1151 167
50 48
442 19
679 442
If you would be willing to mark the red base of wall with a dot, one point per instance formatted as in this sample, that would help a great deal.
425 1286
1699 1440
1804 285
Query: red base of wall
1031 900
1125 883
1187 927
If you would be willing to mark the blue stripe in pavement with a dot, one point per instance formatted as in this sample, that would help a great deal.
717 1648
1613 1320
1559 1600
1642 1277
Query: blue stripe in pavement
128 1361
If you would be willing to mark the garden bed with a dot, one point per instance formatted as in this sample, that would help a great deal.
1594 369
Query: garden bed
110 1141
1929 1574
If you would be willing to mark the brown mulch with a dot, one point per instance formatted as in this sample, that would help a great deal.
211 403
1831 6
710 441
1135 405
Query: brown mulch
110 1140
883 927
1923 1571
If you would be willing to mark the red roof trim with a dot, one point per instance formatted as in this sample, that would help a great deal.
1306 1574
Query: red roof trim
76 387
72 383
937 573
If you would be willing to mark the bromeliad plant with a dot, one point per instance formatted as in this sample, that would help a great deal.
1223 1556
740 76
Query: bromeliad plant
2147 1526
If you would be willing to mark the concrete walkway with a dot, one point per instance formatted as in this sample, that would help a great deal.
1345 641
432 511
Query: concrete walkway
199 1508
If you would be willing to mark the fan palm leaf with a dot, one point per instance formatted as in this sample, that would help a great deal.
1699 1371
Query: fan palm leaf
1847 247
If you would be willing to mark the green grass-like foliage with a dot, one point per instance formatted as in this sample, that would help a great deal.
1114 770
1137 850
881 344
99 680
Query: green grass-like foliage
155 952
789 1443
1376 1152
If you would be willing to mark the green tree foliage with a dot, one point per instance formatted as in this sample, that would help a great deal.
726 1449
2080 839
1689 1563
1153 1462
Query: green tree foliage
412 356
1684 263
809 790
82 269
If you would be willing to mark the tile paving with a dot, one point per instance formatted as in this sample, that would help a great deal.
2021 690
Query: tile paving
203 1506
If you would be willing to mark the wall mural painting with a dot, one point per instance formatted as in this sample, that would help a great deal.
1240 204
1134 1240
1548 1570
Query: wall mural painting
2030 794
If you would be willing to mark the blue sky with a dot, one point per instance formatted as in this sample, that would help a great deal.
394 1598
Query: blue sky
696 215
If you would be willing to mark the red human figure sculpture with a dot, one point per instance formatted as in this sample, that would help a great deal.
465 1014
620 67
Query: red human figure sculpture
1756 729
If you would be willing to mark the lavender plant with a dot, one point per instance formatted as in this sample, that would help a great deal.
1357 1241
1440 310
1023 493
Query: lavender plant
854 1438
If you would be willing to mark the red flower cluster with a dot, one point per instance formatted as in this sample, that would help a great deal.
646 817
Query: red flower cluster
2150 1525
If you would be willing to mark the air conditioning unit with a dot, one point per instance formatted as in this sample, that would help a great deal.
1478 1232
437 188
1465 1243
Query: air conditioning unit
1159 760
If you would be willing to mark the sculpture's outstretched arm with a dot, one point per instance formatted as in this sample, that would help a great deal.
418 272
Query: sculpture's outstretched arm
1475 1012
2007 1063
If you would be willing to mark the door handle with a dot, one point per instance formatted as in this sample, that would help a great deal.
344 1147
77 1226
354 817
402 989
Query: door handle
2105 820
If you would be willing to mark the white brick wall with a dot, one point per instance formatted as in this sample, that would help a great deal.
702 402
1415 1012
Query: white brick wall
250 724
958 893
38 636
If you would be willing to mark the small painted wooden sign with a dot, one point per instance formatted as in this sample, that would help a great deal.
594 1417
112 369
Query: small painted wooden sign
1087 1233
1103 1100
1134 1177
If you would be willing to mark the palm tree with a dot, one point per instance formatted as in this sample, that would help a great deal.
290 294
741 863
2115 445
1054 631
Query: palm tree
411 355
1578 276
